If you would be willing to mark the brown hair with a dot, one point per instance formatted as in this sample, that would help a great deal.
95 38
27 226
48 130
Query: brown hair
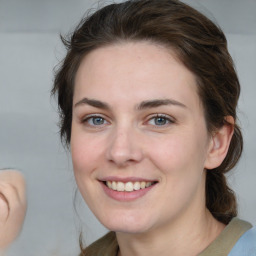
199 44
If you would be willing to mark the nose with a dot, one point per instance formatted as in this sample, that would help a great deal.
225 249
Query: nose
124 147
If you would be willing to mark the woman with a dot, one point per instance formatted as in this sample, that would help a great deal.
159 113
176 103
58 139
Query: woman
147 95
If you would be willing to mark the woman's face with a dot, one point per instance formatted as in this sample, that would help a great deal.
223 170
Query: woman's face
139 141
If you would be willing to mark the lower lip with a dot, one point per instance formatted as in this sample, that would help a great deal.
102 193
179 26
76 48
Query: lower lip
125 196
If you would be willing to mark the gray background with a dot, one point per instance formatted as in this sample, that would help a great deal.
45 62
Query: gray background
29 49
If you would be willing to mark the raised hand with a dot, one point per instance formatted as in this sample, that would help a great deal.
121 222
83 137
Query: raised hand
12 205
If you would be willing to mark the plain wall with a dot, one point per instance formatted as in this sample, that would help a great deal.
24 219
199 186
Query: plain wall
29 49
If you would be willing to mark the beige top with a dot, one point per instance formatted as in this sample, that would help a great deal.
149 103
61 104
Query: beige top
221 246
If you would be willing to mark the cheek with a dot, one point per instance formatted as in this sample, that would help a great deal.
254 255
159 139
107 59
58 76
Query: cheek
80 152
181 154
168 151
83 164
87 152
181 161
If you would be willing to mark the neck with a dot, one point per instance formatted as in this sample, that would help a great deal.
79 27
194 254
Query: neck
191 236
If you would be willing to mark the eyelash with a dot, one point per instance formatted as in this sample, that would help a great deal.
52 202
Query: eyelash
87 119
167 120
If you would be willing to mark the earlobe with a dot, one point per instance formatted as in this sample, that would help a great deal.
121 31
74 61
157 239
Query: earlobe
219 144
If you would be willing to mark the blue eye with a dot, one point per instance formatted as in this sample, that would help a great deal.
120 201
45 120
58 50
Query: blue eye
98 120
159 120
95 121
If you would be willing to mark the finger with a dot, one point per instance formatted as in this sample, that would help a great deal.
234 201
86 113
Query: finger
15 178
4 209
12 205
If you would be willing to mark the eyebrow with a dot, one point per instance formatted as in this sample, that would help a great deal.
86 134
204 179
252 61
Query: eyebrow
143 105
93 103
159 102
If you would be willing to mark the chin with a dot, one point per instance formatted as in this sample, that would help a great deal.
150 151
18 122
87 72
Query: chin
128 229
126 224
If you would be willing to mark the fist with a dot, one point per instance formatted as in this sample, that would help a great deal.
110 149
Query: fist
12 205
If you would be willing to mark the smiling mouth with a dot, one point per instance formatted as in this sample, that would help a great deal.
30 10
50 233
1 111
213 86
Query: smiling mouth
128 186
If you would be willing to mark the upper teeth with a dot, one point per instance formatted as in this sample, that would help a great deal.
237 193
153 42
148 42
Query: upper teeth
128 186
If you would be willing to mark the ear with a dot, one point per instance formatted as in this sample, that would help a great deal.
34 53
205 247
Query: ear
219 144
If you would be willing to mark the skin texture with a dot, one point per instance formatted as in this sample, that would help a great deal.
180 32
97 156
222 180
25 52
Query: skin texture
129 142
12 206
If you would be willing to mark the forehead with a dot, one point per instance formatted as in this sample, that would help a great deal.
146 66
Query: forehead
139 70
126 54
